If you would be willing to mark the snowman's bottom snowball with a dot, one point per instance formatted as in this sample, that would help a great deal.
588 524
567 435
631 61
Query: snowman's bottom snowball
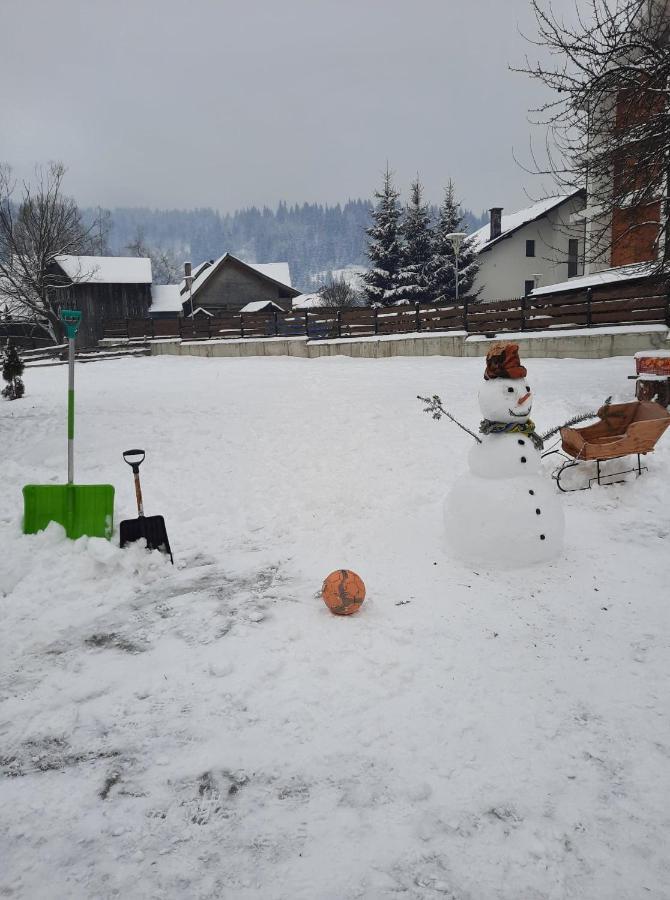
496 523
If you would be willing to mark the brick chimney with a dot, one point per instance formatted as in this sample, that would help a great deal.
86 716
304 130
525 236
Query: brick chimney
496 222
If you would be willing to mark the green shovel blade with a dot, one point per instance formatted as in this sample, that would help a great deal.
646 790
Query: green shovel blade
82 509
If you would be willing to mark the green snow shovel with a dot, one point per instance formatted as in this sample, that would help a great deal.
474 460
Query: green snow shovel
82 509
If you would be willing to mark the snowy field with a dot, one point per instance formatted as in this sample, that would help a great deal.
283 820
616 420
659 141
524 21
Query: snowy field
212 731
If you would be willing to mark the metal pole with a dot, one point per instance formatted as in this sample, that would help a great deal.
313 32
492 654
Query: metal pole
70 412
456 254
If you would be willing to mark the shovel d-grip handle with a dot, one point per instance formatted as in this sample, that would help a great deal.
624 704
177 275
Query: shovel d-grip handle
71 319
135 466
134 463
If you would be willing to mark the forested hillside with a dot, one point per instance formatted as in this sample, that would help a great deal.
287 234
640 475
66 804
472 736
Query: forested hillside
313 238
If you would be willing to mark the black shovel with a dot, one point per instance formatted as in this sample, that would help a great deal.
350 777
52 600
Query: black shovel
151 528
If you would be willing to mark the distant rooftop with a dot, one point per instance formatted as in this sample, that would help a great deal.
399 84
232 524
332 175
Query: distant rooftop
513 221
166 298
277 271
107 269
607 276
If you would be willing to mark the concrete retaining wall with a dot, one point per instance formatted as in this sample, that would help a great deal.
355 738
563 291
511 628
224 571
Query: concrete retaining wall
592 343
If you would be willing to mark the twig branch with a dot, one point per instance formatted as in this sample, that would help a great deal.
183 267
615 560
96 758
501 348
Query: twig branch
436 410
574 421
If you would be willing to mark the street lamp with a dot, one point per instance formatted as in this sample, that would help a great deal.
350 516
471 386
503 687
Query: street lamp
456 239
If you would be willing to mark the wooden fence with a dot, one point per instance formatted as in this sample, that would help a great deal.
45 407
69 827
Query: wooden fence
24 334
644 302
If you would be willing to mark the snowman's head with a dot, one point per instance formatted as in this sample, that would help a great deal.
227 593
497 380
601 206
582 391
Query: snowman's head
506 400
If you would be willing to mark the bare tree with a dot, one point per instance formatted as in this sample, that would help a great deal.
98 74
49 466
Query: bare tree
34 229
102 228
609 119
337 293
165 268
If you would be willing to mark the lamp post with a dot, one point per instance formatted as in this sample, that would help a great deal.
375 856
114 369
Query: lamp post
456 239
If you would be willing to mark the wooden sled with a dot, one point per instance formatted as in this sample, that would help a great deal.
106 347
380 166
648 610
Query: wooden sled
624 429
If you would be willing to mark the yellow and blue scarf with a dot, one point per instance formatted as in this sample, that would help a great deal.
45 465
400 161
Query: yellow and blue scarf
487 426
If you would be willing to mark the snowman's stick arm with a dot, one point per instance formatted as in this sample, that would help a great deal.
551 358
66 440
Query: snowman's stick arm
574 421
435 408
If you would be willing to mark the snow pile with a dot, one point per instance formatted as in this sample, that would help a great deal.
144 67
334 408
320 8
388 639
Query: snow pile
210 730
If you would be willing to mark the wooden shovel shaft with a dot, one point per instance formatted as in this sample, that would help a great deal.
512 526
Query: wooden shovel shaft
138 493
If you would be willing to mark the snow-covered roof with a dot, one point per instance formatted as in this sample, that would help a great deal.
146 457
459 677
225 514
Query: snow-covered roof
166 298
607 276
107 269
513 221
260 305
277 271
307 301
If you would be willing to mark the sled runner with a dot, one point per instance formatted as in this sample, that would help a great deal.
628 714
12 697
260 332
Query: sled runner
624 429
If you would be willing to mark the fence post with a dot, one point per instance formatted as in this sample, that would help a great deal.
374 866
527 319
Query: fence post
127 329
153 329
376 320
465 314
307 322
523 313
589 294
339 323
417 316
209 328
241 325
274 315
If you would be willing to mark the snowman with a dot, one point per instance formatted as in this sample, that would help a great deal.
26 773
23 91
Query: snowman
505 512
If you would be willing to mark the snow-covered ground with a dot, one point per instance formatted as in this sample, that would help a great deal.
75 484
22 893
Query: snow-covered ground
212 731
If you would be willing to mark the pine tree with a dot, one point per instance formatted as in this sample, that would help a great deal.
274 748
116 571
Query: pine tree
12 370
381 282
417 254
443 263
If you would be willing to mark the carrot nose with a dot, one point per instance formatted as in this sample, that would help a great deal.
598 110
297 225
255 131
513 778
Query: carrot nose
522 400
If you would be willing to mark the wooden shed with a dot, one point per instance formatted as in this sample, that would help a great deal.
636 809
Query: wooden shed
103 287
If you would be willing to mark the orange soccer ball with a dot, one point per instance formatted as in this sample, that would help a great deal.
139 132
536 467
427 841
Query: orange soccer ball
343 592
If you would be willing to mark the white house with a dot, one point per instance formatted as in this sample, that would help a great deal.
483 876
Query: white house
526 249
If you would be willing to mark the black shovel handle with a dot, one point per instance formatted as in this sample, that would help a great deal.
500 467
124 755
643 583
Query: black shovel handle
135 466
134 463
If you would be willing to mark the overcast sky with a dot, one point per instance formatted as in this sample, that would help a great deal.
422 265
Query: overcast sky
227 104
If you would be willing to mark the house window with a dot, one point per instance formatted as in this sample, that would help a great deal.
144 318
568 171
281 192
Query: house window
528 287
573 257
530 248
